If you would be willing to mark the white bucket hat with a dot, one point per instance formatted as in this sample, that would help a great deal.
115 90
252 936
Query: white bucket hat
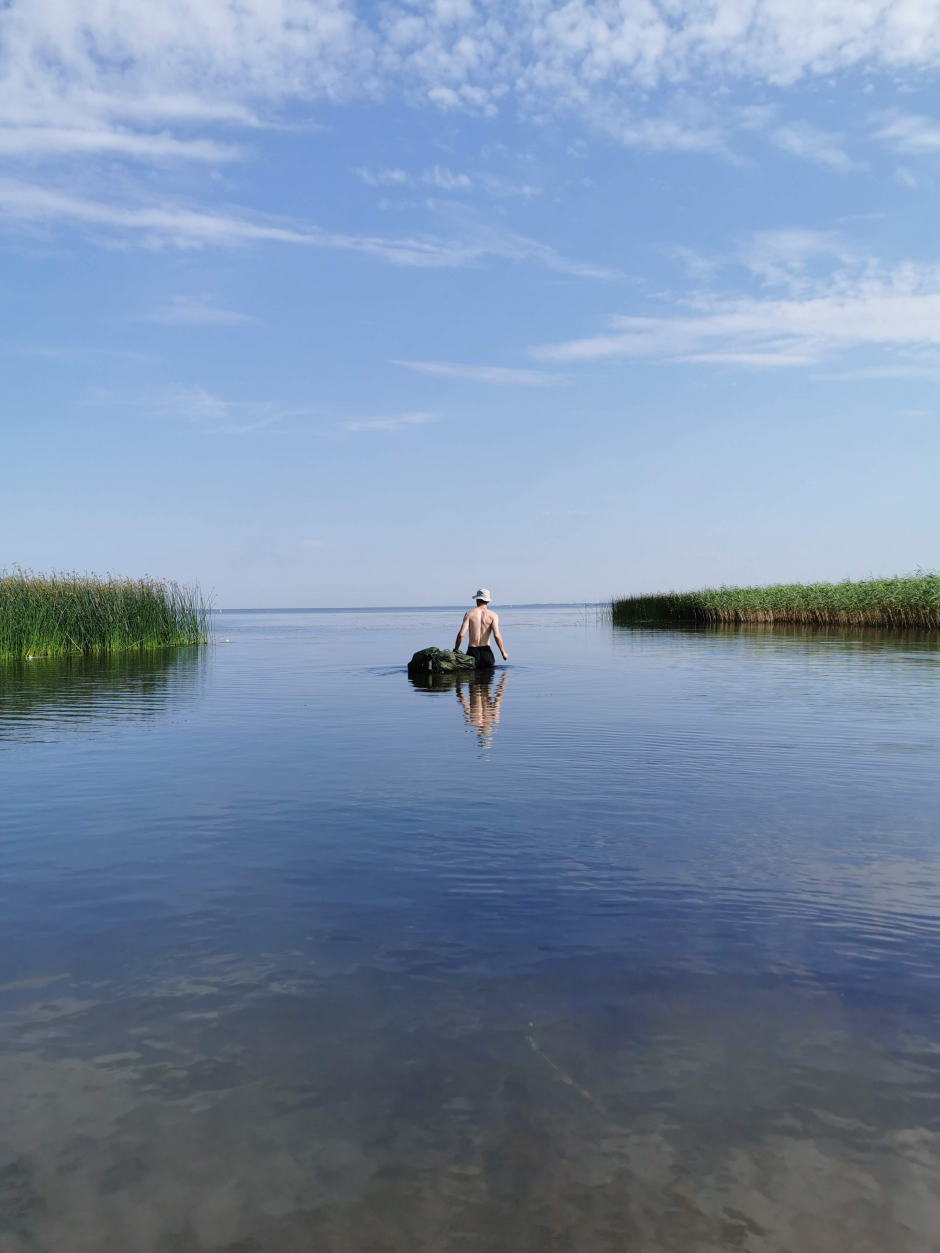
482 594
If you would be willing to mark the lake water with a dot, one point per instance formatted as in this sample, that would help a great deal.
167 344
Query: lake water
633 948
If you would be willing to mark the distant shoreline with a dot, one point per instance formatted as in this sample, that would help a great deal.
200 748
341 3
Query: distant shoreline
423 608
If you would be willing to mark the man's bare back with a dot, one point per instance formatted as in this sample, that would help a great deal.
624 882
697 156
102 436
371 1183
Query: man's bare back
481 623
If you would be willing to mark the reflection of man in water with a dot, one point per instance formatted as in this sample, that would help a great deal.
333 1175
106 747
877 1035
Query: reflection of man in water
481 623
482 709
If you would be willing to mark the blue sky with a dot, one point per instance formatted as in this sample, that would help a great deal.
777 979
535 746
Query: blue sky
332 305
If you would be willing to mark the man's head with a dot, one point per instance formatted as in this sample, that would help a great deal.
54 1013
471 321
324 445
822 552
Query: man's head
482 597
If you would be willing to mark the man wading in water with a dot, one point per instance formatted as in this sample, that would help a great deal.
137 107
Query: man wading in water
481 623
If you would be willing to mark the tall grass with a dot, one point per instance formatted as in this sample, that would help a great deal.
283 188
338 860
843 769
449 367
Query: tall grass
905 601
50 615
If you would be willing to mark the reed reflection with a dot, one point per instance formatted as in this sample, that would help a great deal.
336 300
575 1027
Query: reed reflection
43 698
894 639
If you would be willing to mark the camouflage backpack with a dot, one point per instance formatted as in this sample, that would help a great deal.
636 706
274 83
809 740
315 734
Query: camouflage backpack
440 661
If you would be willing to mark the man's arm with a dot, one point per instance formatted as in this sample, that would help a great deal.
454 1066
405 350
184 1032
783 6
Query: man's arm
463 630
498 638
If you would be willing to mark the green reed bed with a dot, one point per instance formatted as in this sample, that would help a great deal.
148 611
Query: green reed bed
57 614
906 601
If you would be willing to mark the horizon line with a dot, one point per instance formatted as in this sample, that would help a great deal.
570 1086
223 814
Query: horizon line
579 604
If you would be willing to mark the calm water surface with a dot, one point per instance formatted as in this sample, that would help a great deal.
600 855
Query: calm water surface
634 947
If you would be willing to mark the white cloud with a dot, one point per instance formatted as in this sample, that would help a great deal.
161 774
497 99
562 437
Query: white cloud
486 373
202 410
794 258
914 369
383 178
859 305
660 134
173 225
102 68
446 180
71 352
82 63
165 224
196 311
802 140
211 414
502 187
466 98
389 422
906 133
59 141
495 241
575 51
755 117
697 266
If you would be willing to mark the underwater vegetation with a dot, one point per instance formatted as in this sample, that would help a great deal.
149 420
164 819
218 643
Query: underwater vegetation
51 615
904 601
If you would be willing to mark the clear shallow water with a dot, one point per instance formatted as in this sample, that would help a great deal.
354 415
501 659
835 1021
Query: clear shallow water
633 948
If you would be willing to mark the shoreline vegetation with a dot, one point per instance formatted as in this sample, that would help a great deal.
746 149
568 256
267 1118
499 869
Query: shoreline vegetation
55 615
905 601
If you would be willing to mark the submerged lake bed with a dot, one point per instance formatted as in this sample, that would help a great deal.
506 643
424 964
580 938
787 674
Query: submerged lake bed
632 946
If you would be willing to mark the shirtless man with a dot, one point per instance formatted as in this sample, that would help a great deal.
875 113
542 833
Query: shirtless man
481 623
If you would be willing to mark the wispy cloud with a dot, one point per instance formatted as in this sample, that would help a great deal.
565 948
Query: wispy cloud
909 369
196 311
802 140
487 373
389 423
71 352
857 304
794 259
442 178
693 262
61 141
910 134
496 241
211 414
446 180
161 225
155 225
201 410
503 187
687 130
382 178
